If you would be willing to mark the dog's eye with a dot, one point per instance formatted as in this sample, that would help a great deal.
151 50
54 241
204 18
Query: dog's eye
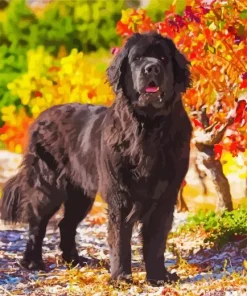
163 58
137 58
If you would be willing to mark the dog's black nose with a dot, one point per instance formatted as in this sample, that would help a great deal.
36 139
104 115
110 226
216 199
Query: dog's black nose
152 69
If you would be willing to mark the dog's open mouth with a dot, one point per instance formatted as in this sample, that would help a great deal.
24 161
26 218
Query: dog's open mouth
152 88
152 95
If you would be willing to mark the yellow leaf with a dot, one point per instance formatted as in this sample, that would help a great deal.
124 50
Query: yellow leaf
229 57
201 37
243 175
126 14
18 148
212 26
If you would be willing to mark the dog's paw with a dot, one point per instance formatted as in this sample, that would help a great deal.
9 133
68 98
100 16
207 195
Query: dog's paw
171 277
118 281
74 261
32 264
155 283
82 261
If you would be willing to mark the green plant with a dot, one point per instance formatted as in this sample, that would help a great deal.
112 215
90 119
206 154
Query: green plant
12 63
156 8
222 228
74 78
86 25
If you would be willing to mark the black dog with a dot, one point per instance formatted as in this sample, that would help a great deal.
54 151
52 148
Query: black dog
135 154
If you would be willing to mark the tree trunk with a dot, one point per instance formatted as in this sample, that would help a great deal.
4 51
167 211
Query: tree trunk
202 176
214 166
205 141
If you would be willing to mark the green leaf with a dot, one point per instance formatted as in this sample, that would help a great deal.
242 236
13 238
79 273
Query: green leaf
241 30
210 48
243 14
180 6
221 24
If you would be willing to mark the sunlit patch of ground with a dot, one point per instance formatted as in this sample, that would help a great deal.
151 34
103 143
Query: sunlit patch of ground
196 202
203 270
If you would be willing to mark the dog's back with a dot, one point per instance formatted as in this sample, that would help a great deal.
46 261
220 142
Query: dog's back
48 162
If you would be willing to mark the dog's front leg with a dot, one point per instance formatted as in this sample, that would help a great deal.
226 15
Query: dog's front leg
155 233
119 239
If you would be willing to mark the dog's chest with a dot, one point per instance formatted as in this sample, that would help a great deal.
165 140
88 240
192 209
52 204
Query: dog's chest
151 176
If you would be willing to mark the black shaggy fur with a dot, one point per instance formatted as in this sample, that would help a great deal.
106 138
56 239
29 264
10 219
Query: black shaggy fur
134 153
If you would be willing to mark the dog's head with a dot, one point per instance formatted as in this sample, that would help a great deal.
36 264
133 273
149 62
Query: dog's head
150 71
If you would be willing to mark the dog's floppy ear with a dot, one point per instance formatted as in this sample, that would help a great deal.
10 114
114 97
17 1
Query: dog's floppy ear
115 70
180 68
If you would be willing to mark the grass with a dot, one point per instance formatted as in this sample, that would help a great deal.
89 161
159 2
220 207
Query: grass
221 228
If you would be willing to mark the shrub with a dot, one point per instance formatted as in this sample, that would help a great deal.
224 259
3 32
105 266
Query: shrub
85 25
48 82
156 8
12 64
59 27
222 228
214 39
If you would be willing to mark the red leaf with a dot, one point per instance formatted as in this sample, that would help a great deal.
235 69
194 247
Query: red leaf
92 93
166 29
37 94
231 30
245 51
218 151
240 111
244 75
207 32
53 69
235 147
197 123
123 29
243 84
192 56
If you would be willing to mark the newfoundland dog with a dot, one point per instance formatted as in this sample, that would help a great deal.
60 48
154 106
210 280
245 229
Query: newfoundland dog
134 153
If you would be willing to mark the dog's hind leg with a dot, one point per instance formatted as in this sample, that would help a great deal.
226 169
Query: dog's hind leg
32 258
46 201
77 207
29 198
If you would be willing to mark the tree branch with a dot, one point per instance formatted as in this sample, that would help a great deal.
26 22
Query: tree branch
213 136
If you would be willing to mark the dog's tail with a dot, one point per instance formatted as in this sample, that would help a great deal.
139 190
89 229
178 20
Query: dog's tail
11 200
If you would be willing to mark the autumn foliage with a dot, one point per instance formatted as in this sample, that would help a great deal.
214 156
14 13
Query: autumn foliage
214 39
49 82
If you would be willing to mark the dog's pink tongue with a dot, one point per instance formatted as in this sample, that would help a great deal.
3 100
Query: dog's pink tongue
152 89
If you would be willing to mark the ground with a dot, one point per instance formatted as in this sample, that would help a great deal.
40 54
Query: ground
203 270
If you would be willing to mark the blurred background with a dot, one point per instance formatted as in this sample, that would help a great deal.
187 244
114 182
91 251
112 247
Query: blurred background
54 52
